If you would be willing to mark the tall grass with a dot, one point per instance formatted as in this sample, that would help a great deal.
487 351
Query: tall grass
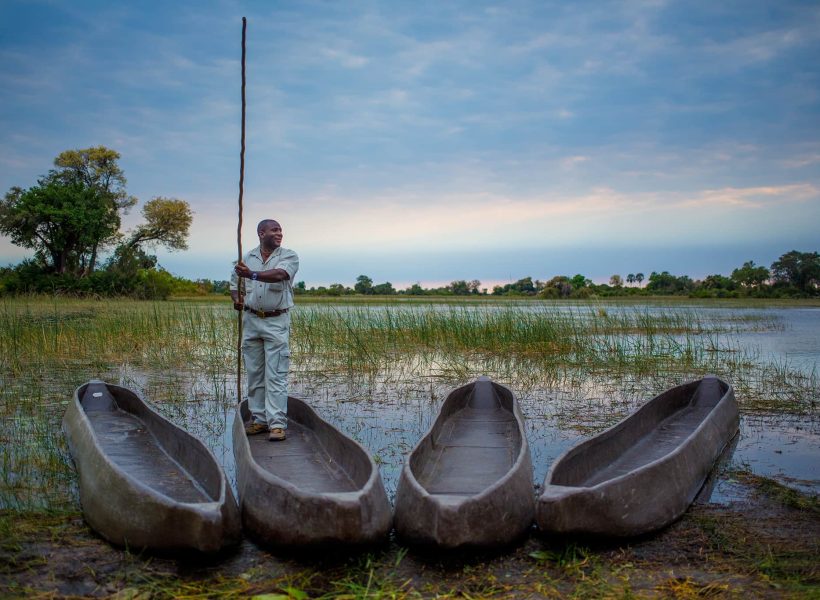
182 356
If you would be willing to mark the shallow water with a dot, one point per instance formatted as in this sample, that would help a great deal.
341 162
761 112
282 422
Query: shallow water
388 420
390 410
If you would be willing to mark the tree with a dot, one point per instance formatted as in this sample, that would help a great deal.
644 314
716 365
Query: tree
579 281
384 289
719 282
750 275
364 285
61 221
167 223
336 289
96 168
799 269
459 288
616 281
557 287
415 290
630 279
639 278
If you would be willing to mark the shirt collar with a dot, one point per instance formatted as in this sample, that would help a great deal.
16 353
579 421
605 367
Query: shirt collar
258 253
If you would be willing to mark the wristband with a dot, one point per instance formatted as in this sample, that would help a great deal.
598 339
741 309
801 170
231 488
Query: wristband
254 275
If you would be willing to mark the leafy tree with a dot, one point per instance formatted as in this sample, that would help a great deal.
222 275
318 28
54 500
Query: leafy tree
415 290
557 287
167 223
639 278
616 281
750 275
128 260
799 269
61 221
384 289
336 289
96 168
579 281
630 279
364 285
459 288
719 282
523 286
666 283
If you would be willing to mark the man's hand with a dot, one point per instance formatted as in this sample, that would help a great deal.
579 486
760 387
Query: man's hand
238 306
242 270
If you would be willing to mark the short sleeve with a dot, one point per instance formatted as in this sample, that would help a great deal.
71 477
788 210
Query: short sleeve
289 263
234 286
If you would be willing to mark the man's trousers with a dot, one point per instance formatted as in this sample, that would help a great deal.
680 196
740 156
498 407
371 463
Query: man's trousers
265 347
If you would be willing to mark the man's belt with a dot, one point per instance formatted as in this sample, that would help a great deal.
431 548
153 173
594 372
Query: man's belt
266 313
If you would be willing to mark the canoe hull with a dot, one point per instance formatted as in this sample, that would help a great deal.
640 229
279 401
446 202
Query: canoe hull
278 512
495 516
647 498
126 511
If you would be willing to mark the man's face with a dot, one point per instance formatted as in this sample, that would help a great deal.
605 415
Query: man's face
270 236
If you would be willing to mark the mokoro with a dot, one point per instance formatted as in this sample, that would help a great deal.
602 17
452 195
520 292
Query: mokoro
318 487
468 482
644 472
144 482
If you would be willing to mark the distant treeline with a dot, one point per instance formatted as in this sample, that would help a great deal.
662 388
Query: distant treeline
794 275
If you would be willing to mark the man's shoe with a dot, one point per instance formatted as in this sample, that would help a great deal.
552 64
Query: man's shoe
255 428
277 434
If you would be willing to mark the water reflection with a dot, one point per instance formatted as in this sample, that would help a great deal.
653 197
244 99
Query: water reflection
388 417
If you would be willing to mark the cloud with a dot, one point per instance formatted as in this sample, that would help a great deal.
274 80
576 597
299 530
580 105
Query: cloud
570 162
755 197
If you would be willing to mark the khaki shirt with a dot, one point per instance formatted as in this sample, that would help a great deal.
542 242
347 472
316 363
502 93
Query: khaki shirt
268 296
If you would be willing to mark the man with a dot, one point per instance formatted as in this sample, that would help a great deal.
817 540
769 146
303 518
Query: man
269 270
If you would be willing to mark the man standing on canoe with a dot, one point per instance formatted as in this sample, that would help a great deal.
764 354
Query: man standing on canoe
269 269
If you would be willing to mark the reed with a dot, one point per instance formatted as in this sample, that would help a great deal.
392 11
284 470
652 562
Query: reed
181 355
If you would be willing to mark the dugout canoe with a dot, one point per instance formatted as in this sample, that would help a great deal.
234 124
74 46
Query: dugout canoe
468 482
316 488
144 482
644 472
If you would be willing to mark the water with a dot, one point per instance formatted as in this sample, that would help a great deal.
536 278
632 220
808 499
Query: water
388 420
389 411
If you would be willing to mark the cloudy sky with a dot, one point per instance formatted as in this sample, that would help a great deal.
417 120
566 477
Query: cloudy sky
432 141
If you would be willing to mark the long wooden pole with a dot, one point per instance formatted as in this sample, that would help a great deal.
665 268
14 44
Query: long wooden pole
241 286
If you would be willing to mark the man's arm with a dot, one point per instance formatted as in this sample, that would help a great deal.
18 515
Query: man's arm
270 276
238 300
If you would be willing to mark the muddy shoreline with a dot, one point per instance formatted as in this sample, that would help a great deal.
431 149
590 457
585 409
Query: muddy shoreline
765 546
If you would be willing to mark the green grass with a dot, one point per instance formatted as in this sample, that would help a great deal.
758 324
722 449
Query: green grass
181 353
583 366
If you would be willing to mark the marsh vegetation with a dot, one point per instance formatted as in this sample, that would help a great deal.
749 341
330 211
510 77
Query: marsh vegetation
379 370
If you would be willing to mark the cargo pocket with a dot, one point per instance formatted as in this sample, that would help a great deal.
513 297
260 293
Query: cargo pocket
284 362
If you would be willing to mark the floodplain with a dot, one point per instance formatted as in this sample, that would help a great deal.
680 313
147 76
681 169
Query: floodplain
379 369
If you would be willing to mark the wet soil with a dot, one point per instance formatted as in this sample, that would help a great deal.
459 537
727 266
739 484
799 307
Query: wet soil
766 546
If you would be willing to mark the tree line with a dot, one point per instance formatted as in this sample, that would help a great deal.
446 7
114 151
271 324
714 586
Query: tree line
73 215
794 274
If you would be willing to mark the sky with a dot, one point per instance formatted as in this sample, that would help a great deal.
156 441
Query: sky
434 141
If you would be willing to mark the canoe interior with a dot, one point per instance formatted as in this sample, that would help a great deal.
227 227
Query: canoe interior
473 444
315 457
147 447
651 433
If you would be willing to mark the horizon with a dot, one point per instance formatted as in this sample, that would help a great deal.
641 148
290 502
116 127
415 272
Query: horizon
430 143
